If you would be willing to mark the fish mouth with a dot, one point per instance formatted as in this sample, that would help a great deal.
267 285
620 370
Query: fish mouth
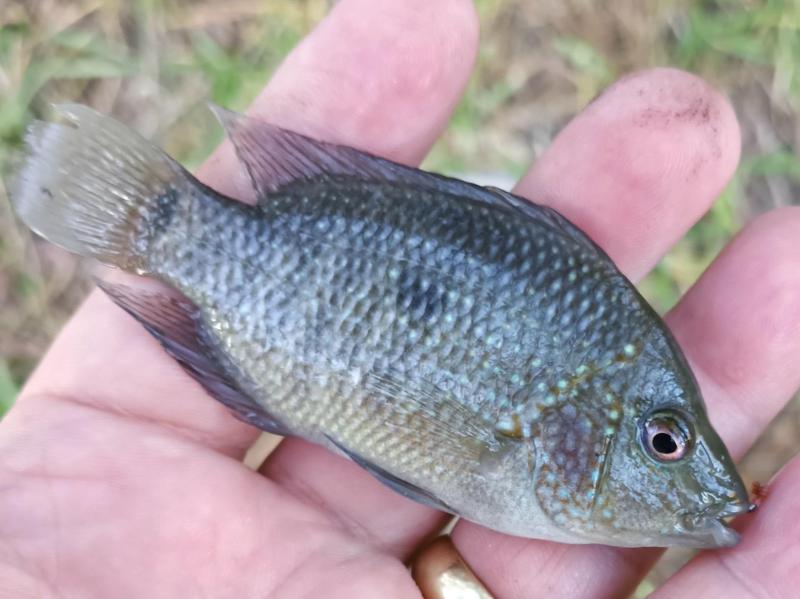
710 527
722 534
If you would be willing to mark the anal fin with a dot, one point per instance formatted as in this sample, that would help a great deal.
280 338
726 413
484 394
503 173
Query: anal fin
177 325
396 484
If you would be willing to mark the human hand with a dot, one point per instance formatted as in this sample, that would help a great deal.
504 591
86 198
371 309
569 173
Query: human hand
120 478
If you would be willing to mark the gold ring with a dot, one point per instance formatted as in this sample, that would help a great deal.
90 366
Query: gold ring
441 573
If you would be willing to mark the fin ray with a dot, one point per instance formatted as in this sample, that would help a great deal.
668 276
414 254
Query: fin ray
463 431
86 182
275 157
177 325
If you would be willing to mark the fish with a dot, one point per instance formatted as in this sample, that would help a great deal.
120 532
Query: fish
472 350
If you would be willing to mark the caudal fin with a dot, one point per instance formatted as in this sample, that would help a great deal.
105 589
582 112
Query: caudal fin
87 183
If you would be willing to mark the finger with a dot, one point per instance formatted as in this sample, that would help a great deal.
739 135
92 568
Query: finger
740 327
635 170
767 561
640 164
383 75
745 307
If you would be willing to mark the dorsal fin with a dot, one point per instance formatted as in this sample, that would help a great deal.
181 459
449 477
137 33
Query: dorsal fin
177 325
275 157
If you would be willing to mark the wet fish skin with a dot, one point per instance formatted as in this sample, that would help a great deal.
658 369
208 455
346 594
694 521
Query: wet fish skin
476 352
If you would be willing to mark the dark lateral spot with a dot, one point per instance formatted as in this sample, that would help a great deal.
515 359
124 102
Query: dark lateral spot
164 212
420 297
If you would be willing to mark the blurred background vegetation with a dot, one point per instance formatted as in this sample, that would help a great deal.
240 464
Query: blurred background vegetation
155 63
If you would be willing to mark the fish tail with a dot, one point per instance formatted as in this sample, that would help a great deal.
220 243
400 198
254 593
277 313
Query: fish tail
89 184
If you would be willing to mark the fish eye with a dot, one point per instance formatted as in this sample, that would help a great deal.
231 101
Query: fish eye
666 436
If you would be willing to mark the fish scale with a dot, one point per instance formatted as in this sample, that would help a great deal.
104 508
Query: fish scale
471 350
337 337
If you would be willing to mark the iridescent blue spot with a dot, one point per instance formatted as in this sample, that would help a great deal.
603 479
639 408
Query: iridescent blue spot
506 424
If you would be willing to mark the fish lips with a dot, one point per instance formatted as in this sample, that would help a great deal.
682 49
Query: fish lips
709 528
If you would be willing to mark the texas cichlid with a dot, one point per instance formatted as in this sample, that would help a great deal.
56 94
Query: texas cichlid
472 350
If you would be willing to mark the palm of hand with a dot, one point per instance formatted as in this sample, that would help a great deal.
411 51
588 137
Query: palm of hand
135 509
118 477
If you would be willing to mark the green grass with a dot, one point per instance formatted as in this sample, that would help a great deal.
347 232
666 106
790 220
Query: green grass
8 387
